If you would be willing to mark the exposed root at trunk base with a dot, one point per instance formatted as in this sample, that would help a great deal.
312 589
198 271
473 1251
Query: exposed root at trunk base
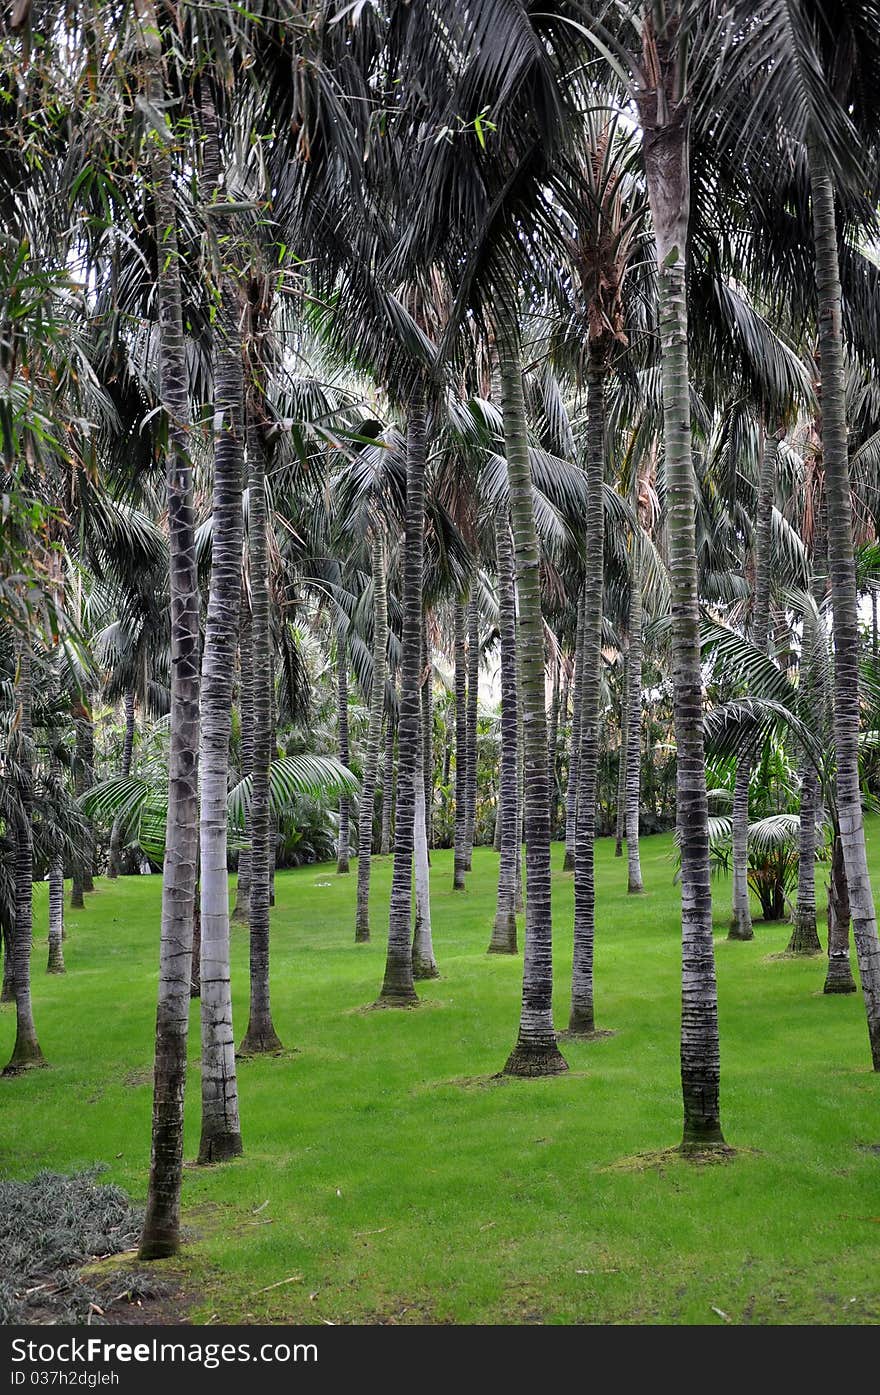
529 1062
675 1157
219 1148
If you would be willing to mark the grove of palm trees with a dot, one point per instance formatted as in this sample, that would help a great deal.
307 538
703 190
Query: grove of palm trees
439 662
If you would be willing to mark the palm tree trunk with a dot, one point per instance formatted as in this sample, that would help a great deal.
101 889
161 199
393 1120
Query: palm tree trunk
26 1053
804 935
622 760
241 910
161 1231
427 738
114 865
82 880
633 761
387 784
261 1035
536 1051
374 736
424 965
581 1018
665 136
7 992
552 737
574 760
460 826
473 675
741 923
56 915
397 987
843 594
503 939
221 1126
839 978
344 751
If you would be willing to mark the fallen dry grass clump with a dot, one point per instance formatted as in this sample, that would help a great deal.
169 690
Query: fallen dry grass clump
49 1228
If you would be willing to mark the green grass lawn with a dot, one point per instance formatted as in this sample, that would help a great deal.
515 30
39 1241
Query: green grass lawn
397 1181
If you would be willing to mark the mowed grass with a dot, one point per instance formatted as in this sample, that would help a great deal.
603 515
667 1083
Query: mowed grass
389 1178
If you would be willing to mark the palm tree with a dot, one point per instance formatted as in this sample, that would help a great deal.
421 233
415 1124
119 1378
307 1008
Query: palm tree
221 1128
536 1051
397 987
161 1232
260 1036
664 111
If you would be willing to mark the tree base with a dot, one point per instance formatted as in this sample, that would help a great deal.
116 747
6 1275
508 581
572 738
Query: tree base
804 939
24 1058
529 1062
342 867
264 1042
637 890
362 935
739 931
397 998
219 1148
581 1024
838 979
703 1137
424 968
77 903
56 960
160 1246
568 862
239 916
506 948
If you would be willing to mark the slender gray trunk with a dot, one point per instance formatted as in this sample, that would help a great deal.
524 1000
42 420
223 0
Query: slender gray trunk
374 735
552 735
503 939
427 696
581 1017
839 978
161 1231
26 1053
473 674
397 988
424 965
221 1126
56 915
460 826
574 760
536 1052
387 784
622 761
114 863
844 598
342 864
665 120
241 911
260 1036
633 761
